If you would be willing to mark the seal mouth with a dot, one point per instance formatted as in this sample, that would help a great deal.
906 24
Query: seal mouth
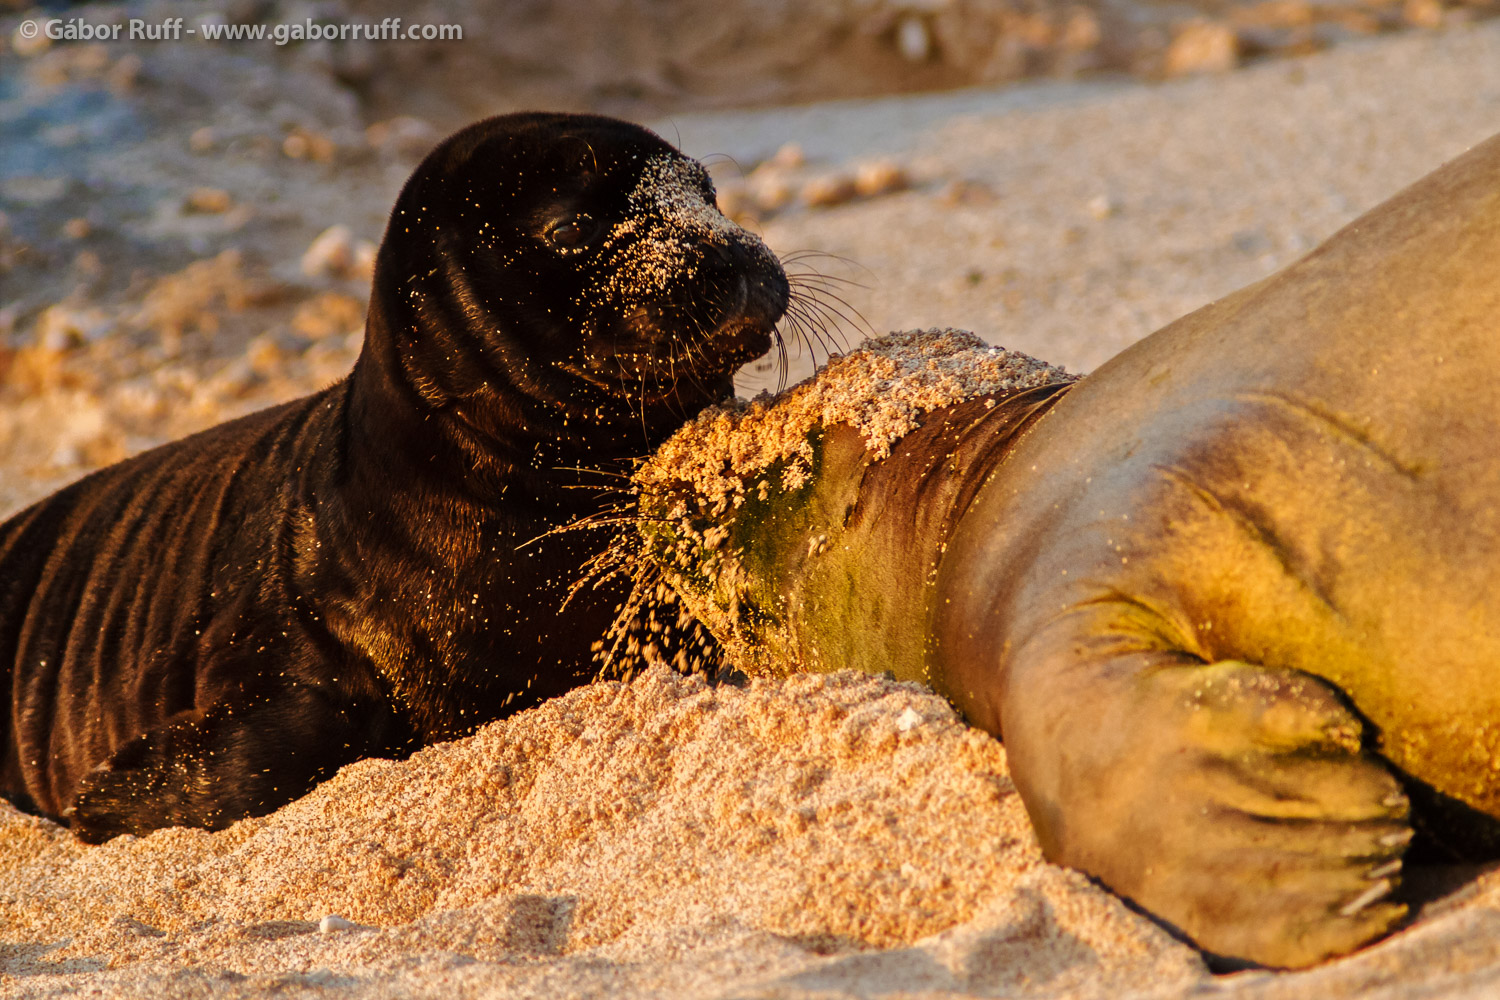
750 319
665 342
659 367
744 337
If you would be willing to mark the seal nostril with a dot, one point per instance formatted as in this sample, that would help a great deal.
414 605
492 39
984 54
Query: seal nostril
766 296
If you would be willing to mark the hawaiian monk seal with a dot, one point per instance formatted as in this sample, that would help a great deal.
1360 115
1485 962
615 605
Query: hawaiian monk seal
204 631
1232 601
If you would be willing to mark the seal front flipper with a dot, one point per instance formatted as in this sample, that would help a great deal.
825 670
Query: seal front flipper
1236 803
236 759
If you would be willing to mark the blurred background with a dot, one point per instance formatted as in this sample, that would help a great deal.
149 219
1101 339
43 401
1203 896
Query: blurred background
187 226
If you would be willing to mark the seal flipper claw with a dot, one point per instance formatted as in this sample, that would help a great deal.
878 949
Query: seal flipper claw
1375 893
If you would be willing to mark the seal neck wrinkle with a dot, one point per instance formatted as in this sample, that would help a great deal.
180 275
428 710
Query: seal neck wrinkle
513 423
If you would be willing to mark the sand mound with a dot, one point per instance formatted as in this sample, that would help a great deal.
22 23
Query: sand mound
815 815
832 835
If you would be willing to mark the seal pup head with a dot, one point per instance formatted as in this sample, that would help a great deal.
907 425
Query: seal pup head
568 279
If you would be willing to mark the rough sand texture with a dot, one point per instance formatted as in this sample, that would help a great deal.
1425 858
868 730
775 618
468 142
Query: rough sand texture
671 862
880 390
600 836
689 492
822 835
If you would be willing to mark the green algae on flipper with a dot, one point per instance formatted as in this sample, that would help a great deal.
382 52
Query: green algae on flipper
736 509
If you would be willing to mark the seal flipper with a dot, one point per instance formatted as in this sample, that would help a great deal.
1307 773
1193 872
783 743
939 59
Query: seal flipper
236 759
1234 802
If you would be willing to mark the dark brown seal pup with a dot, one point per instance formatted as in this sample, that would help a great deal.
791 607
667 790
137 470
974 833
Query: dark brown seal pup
1232 601
203 632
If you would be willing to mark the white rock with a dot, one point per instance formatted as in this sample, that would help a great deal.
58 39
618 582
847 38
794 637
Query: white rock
62 328
912 39
789 157
332 253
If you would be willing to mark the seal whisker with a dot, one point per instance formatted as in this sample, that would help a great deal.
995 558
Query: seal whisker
819 278
805 333
823 329
800 256
594 471
623 515
834 310
710 159
597 489
782 364
815 323
836 304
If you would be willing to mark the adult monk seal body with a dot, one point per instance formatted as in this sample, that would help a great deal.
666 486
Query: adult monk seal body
1227 600
204 631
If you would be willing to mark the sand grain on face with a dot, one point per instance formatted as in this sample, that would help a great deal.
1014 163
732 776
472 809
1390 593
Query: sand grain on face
668 218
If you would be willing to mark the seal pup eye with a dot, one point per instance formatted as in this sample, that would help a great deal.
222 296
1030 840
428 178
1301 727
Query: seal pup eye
570 234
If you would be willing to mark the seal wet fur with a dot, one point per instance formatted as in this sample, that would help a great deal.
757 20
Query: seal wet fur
203 632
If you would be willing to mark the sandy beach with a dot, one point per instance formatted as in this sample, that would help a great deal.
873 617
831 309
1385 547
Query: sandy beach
813 837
